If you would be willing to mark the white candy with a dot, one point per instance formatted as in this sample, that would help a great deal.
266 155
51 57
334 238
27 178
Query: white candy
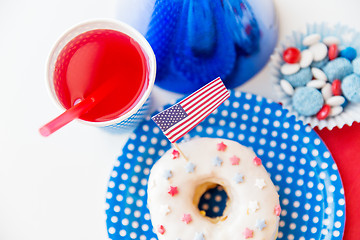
306 58
311 39
318 74
319 51
326 91
288 69
286 86
330 40
317 83
336 111
335 101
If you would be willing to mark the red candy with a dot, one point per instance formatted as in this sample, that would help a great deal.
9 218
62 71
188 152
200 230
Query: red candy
221 147
161 229
333 51
292 55
173 191
324 112
336 87
175 154
234 160
257 161
277 210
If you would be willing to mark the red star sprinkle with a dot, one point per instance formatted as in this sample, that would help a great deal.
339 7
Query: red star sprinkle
175 154
257 161
221 147
186 218
277 210
161 229
234 160
173 191
248 233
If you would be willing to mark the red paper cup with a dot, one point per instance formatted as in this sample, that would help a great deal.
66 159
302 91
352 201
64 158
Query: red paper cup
135 110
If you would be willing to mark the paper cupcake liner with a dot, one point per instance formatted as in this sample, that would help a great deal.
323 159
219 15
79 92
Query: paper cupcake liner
348 37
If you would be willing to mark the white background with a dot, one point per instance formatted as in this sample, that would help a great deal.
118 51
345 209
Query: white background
54 188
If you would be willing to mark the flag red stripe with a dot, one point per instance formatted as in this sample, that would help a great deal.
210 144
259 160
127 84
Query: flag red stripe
199 92
193 120
195 123
203 95
206 97
201 109
198 121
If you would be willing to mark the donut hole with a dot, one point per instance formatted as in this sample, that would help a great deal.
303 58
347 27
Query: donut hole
211 200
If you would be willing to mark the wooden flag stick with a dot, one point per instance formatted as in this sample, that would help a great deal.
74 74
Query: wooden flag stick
177 148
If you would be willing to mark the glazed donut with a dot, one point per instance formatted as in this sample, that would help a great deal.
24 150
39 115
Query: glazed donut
176 185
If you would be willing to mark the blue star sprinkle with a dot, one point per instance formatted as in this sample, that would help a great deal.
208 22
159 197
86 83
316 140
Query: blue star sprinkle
239 178
190 167
260 224
167 174
199 236
217 161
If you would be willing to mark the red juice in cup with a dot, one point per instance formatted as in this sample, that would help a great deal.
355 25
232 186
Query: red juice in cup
97 52
97 56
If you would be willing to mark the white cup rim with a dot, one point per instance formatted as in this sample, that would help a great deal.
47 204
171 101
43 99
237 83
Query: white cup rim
103 24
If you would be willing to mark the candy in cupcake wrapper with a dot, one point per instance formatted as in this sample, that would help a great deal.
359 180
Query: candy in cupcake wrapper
322 86
351 87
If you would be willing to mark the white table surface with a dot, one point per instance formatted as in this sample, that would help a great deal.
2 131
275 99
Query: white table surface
54 188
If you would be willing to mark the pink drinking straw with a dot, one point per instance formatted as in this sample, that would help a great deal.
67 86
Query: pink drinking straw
77 110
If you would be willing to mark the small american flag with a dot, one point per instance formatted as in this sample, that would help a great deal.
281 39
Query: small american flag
180 118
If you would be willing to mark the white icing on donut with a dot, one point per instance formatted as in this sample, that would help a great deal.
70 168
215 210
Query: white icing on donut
253 204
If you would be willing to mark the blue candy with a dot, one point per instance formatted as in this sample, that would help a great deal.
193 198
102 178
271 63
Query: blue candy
350 87
320 64
307 101
299 79
356 65
338 69
349 53
345 103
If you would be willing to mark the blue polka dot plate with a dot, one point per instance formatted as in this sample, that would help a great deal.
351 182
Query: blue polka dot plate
300 165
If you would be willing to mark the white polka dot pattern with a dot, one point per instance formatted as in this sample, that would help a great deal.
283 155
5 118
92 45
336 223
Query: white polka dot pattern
300 165
130 123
